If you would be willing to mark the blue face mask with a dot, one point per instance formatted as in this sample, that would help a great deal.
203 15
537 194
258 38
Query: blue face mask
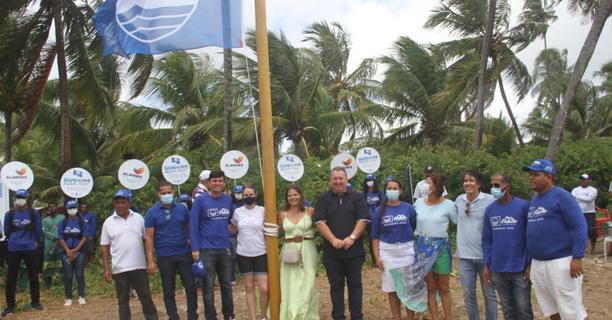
166 198
497 193
392 194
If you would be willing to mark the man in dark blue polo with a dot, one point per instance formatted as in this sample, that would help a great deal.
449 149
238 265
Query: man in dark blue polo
166 230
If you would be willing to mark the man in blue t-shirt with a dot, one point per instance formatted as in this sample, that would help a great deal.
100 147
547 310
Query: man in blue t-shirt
22 227
209 230
556 239
91 224
166 230
505 250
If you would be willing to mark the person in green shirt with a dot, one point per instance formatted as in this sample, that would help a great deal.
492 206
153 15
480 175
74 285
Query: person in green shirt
53 251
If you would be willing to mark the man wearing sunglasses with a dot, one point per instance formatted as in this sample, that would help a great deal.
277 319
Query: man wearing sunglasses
505 249
556 240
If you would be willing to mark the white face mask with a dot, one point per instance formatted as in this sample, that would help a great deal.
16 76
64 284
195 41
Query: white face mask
370 183
72 212
20 202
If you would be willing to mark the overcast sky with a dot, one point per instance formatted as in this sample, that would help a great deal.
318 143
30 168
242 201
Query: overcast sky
375 24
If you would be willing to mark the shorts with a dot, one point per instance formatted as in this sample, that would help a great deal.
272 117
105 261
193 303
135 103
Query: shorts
555 290
394 255
253 265
442 264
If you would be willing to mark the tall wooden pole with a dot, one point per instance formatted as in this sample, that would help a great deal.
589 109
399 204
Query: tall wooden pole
267 152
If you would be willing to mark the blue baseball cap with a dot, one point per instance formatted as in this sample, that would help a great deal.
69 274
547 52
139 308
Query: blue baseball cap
123 193
238 188
198 269
370 176
349 186
542 165
22 193
184 198
71 204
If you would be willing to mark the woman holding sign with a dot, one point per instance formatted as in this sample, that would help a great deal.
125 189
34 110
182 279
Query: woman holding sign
299 298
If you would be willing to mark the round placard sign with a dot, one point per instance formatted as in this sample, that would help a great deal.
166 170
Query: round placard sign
76 183
347 161
368 160
133 174
176 169
290 167
17 175
234 164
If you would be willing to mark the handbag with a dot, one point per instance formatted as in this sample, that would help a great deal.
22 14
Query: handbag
292 255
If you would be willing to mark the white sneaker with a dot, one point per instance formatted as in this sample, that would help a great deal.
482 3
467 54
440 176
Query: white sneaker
68 303
82 300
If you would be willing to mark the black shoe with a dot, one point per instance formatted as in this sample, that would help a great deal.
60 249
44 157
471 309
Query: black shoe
8 311
37 306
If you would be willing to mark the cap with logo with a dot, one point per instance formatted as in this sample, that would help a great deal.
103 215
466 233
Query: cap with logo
123 193
205 174
71 204
585 176
541 165
22 193
238 188
198 269
184 198
370 176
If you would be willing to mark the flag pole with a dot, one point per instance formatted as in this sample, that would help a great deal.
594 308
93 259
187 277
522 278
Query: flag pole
267 145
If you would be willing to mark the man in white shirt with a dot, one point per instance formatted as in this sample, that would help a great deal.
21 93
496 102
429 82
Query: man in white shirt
203 186
421 190
123 237
586 196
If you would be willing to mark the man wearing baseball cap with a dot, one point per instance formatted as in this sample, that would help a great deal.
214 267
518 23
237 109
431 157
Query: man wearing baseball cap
122 238
421 190
203 186
556 239
23 229
586 196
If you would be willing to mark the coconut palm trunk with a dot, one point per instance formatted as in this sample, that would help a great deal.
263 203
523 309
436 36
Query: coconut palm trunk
63 86
603 12
8 136
515 126
227 99
484 55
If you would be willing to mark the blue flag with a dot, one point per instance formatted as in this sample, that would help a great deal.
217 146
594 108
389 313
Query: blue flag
157 26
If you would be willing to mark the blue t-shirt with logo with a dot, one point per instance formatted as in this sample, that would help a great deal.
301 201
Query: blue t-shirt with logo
89 218
170 226
556 227
374 199
71 231
21 238
209 220
504 242
397 223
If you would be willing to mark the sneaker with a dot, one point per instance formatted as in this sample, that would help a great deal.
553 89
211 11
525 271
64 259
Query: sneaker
82 300
68 303
37 306
8 311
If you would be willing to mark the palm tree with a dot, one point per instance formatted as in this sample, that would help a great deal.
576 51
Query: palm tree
600 11
534 21
484 56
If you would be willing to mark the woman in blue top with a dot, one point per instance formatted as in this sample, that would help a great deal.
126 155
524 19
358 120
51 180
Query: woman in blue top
72 236
373 197
393 225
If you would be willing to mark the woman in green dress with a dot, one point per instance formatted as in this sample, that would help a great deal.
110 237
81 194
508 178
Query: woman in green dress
299 298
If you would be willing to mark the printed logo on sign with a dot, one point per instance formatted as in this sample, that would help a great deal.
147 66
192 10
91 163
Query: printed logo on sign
368 151
175 160
239 159
149 21
21 171
290 159
77 173
535 213
139 170
347 162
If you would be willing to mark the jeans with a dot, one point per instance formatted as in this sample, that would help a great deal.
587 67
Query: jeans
338 271
468 270
30 258
139 281
218 262
514 295
73 268
234 243
168 268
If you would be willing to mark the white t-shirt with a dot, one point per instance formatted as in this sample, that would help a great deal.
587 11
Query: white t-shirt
585 197
251 242
422 190
125 237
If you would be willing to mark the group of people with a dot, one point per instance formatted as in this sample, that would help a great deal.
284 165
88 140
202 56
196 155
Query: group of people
506 242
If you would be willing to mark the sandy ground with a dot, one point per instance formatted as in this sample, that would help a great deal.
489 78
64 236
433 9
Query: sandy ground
597 291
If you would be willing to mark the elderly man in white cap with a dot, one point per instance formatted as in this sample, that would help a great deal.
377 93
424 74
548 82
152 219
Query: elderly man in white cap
586 196
203 186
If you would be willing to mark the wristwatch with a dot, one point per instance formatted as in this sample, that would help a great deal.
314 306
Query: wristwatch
352 236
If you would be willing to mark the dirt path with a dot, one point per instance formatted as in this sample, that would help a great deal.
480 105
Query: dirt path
597 292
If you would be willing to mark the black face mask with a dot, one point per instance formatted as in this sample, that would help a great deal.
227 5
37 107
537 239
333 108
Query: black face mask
249 200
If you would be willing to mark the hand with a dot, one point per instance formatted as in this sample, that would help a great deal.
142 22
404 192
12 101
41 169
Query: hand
271 229
151 268
576 268
337 243
380 264
108 276
195 255
348 242
526 273
70 254
486 275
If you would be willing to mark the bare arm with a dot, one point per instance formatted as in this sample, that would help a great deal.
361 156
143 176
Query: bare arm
357 231
281 217
375 249
104 252
149 233
328 235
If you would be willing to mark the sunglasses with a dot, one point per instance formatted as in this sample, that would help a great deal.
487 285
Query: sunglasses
467 208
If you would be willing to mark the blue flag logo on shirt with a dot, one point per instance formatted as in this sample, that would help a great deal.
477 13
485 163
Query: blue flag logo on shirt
157 26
